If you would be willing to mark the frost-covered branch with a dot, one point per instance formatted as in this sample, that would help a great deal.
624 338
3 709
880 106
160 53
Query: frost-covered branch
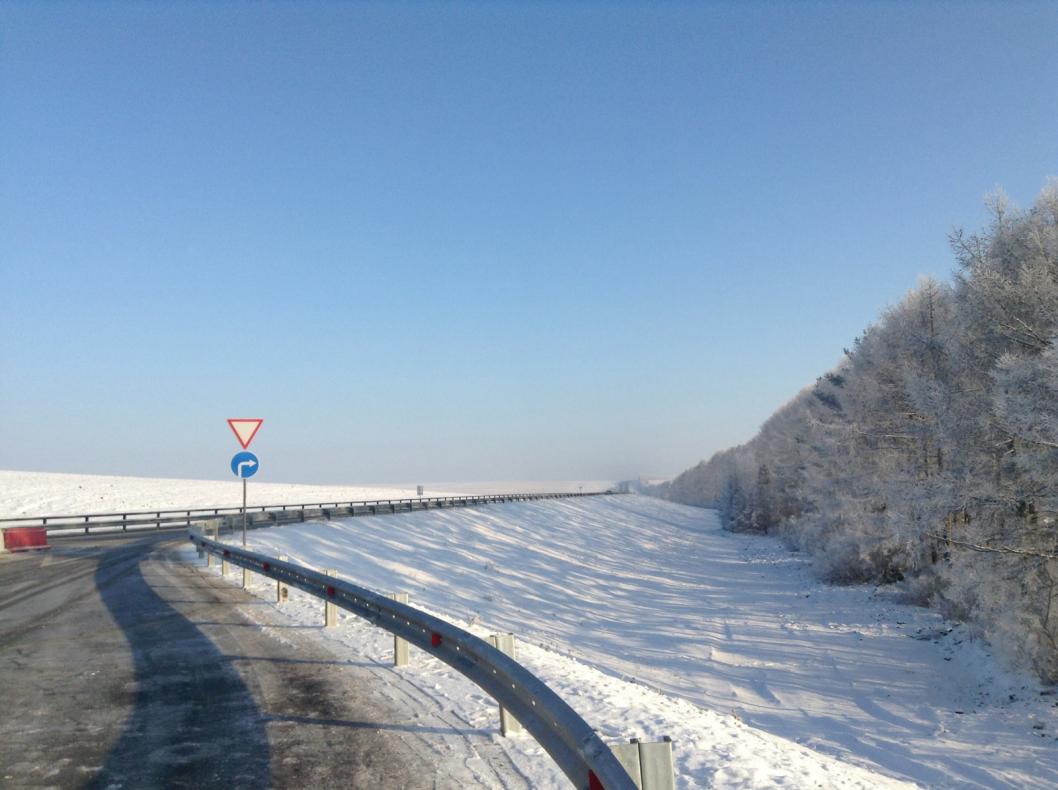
992 549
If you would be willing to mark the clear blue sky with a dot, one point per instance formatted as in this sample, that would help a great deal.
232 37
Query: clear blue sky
476 241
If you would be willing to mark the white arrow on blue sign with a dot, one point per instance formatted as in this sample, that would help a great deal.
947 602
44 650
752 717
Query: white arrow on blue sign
244 465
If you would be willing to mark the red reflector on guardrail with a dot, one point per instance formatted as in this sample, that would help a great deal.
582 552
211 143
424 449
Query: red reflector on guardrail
227 553
593 782
435 640
25 538
330 591
266 567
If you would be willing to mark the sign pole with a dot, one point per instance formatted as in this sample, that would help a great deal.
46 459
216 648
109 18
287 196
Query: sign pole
244 512
244 464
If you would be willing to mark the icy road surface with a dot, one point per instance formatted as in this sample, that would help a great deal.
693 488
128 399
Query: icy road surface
631 595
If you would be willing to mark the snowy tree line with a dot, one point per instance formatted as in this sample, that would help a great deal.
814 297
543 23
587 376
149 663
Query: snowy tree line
929 454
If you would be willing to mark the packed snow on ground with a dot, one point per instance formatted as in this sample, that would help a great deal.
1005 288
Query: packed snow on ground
712 749
650 620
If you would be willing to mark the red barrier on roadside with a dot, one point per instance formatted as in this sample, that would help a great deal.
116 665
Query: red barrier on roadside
25 538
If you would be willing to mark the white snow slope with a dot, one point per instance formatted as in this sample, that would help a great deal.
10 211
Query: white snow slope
652 621
656 596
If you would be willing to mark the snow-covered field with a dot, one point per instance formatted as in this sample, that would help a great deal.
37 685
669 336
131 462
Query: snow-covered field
652 621
522 486
47 494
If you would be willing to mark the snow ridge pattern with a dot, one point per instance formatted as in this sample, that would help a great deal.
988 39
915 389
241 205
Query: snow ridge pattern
651 621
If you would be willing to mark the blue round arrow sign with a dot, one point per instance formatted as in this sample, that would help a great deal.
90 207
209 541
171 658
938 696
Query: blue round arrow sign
244 464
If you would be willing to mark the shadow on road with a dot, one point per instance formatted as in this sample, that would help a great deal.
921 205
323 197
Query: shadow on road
194 722
374 726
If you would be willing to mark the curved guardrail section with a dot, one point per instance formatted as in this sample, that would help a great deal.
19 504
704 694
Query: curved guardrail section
572 743
260 515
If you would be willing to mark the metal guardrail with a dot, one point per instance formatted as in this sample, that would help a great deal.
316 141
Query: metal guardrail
89 523
572 743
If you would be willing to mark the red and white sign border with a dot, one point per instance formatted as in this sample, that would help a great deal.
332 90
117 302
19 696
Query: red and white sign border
231 424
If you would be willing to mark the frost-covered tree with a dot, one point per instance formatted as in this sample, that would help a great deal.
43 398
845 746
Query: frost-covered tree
931 450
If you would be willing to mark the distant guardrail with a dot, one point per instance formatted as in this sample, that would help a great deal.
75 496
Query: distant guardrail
577 749
258 515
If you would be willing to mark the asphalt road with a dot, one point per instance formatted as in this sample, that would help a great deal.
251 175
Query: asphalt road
123 667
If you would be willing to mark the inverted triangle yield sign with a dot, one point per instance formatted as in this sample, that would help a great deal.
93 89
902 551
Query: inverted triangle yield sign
245 430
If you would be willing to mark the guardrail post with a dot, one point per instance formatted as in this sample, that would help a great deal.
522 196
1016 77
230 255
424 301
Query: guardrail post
628 755
505 644
330 611
400 646
224 566
209 554
281 589
655 760
649 764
